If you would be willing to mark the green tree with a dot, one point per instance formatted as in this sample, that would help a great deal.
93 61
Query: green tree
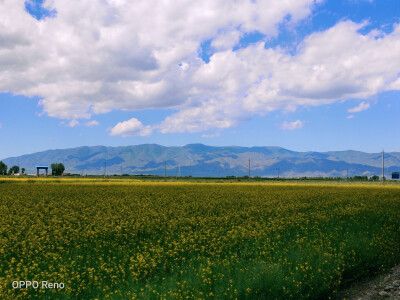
13 170
3 168
375 177
57 169
23 170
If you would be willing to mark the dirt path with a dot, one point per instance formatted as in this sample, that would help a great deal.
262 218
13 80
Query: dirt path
385 286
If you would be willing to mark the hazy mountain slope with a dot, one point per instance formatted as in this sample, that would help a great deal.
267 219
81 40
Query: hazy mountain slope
203 160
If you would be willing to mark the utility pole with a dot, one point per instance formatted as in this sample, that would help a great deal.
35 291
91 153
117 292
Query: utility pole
105 164
249 169
278 172
383 167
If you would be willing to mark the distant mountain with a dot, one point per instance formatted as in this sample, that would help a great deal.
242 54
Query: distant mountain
202 160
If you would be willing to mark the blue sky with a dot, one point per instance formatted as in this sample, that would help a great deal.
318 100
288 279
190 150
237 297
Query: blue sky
283 76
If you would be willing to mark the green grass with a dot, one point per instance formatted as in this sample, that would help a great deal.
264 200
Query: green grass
123 240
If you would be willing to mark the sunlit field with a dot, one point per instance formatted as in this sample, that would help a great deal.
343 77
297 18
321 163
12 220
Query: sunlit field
128 239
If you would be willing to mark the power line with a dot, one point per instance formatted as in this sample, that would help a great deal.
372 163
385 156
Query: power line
105 164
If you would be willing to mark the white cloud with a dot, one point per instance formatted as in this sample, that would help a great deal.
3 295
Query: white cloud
72 123
209 114
329 66
211 135
130 128
292 125
395 85
92 123
226 40
350 117
96 56
362 106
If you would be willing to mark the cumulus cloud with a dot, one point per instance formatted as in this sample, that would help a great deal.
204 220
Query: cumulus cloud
350 117
334 65
95 56
362 106
292 125
395 85
92 123
226 40
131 127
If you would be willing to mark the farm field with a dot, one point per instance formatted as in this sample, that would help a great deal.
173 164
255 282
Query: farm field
146 240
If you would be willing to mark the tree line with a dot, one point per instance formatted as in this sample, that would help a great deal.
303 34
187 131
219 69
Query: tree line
56 169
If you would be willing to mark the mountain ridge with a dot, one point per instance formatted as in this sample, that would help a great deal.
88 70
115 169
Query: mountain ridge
203 160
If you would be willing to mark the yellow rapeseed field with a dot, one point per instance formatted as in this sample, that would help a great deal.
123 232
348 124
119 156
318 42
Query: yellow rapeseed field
134 240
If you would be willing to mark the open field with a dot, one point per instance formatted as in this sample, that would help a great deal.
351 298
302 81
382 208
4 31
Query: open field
130 239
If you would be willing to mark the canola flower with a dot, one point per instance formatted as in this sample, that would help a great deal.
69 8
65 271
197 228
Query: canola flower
123 240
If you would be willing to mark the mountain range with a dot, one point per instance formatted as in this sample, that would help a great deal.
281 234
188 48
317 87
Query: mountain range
203 160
